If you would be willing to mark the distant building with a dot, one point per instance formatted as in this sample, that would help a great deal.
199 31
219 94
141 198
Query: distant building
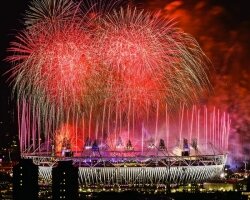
219 186
248 183
65 181
25 180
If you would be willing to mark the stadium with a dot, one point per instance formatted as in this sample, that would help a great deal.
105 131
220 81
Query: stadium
151 163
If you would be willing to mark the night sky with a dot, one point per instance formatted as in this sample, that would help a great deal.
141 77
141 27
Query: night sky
221 27
11 15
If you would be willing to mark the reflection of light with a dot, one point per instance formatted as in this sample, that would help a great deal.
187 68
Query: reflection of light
245 176
87 147
222 175
119 146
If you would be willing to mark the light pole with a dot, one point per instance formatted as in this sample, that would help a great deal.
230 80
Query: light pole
245 170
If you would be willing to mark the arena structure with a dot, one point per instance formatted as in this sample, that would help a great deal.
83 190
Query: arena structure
112 87
131 168
137 170
152 163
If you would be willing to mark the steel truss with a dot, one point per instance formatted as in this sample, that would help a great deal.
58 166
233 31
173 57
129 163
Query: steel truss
136 171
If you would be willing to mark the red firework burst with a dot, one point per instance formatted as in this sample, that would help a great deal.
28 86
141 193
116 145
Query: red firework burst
119 68
148 58
57 61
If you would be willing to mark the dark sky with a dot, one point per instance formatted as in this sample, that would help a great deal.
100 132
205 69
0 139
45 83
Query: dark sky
217 24
11 12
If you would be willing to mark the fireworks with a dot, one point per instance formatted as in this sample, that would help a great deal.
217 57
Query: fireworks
150 60
100 66
49 12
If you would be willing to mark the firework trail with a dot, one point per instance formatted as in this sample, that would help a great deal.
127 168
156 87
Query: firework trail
49 12
102 64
